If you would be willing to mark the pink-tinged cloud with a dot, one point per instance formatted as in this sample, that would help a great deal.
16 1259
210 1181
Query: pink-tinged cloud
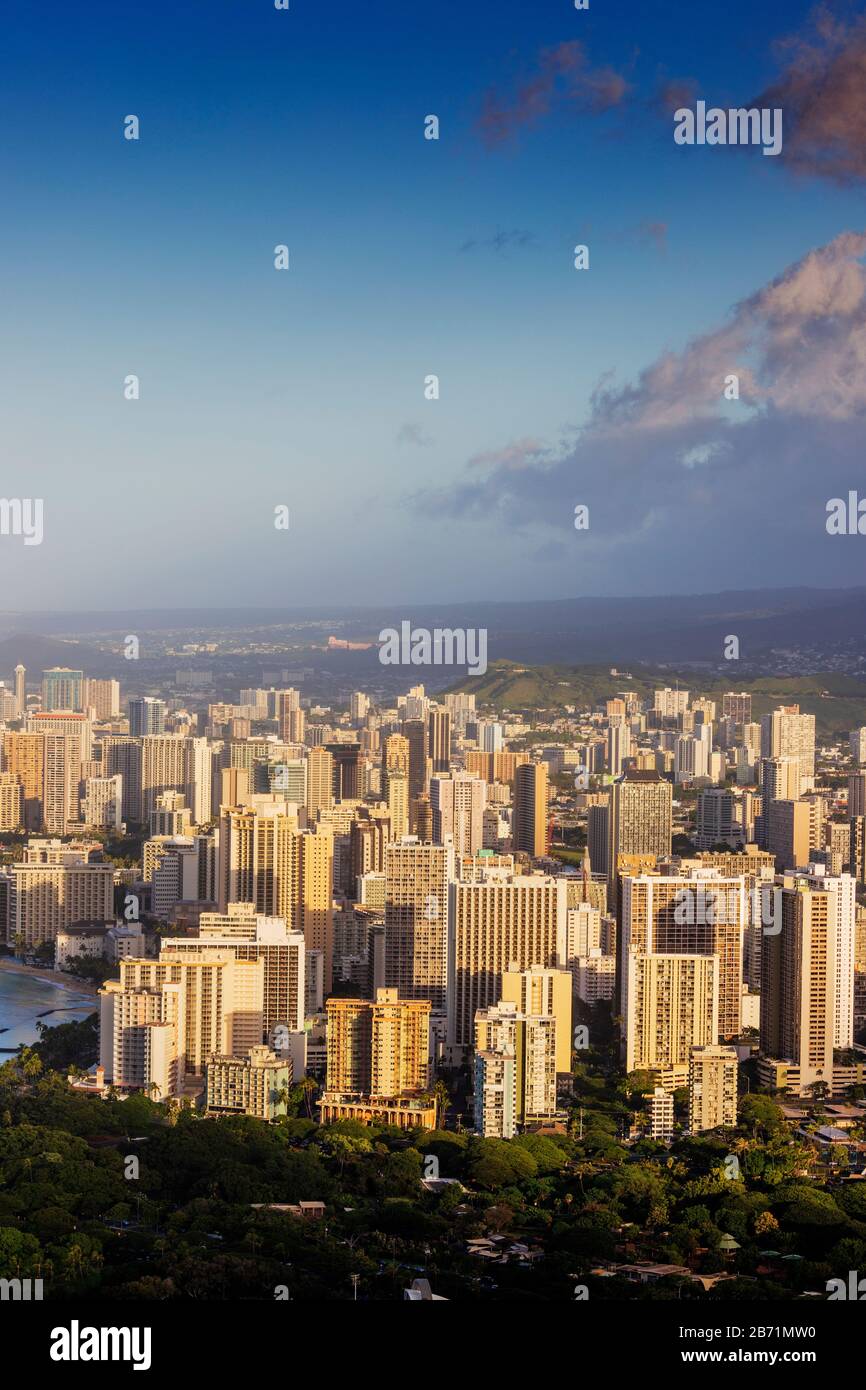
822 92
677 92
562 79
523 453
656 232
668 452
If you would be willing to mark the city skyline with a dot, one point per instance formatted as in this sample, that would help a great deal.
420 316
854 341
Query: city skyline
432 670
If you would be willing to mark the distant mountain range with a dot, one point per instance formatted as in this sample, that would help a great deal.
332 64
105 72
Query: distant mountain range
676 630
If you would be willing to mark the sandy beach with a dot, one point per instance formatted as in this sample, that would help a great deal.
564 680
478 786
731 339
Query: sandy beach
56 977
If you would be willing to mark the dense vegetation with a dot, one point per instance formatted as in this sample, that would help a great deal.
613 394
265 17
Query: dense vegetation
73 1212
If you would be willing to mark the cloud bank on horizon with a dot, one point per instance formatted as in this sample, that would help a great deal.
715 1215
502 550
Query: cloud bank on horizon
674 452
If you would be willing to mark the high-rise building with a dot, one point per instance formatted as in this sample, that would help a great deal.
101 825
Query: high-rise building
66 722
780 780
671 1006
857 849
505 1031
712 1088
292 723
320 782
121 755
416 920
496 1092
253 1085
368 837
163 768
102 697
857 739
859 972
457 805
24 758
594 975
801 1011
737 706
701 913
716 819
346 783
141 1037
786 733
197 774
640 818
377 1050
529 822
395 754
421 816
102 804
171 866
396 791
415 731
11 802
857 794
495 767
61 689
439 739
618 747
598 835
794 829
670 703
265 859
500 922
47 897
171 815
359 706
692 756
232 788
837 845
61 781
244 934
219 1008
146 716
20 691
661 1116
289 780
545 993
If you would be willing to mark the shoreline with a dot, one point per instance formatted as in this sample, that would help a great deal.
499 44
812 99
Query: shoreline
54 977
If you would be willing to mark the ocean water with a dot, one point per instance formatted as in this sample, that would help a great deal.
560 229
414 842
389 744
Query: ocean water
24 997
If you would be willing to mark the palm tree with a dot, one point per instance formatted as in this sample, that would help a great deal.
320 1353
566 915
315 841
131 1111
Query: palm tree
442 1098
281 1096
309 1085
580 1171
31 1062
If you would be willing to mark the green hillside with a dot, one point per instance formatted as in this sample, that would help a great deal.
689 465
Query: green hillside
838 702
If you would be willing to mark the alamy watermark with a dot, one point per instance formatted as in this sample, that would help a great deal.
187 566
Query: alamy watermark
21 1290
710 906
443 646
853 1291
737 126
22 516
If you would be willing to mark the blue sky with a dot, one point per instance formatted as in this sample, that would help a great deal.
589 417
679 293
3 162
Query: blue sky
408 257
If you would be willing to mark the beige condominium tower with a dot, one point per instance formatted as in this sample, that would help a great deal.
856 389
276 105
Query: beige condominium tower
416 920
500 922
265 859
671 1006
700 913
